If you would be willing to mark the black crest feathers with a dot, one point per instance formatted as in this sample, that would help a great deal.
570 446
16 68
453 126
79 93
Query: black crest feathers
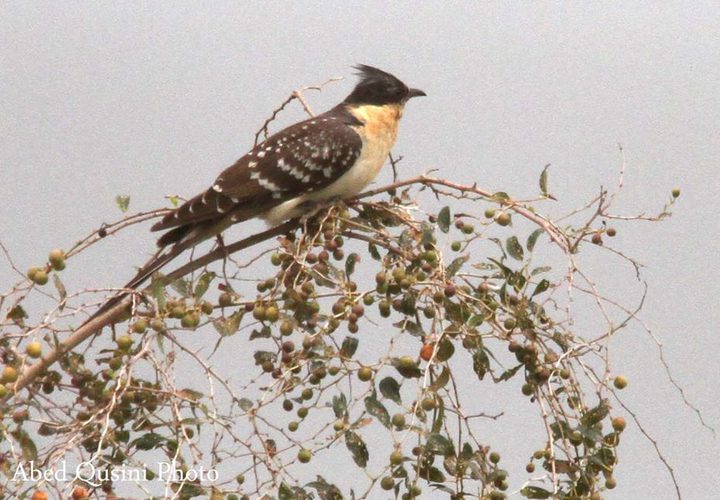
377 87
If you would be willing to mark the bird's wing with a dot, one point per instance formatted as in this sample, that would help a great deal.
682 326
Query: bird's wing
304 157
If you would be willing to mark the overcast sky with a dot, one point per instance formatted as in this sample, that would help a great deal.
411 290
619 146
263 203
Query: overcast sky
146 99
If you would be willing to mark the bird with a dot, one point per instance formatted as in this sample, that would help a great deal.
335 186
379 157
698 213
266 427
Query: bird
328 157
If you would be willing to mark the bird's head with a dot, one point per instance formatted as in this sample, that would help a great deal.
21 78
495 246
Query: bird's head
378 88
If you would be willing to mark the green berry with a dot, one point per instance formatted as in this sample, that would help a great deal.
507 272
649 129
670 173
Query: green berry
304 456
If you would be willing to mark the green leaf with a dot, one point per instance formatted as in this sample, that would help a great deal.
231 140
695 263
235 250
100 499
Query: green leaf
441 381
349 346
339 405
541 287
60 288
455 266
595 415
377 409
508 374
535 492
203 284
17 313
443 219
432 474
481 363
390 388
27 445
438 444
263 356
148 441
544 180
540 270
357 448
326 491
445 350
229 326
514 248
157 289
407 371
123 202
263 333
182 287
501 196
532 239
352 259
372 249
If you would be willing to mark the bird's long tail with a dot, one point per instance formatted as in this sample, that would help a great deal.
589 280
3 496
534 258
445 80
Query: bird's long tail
156 262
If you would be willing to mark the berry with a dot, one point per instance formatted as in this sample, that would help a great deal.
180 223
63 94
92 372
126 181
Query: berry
9 374
304 456
38 276
398 420
620 382
426 352
618 423
503 219
365 373
387 483
140 326
675 192
57 259
34 349
124 342
611 232
494 457
597 239
396 457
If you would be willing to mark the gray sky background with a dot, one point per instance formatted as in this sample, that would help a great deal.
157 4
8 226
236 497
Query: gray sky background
148 99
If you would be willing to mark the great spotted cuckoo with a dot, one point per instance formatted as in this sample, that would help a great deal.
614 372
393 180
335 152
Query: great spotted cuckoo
330 156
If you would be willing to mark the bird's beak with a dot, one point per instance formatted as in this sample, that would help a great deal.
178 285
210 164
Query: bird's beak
415 93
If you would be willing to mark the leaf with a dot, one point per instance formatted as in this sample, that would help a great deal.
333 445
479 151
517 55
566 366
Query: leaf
61 289
541 287
245 404
229 326
535 492
508 374
532 239
377 409
443 219
357 448
174 200
514 248
181 286
325 490
539 270
263 333
433 474
544 180
407 370
148 441
263 356
372 249
349 346
438 444
455 266
441 381
481 363
390 388
352 259
27 445
203 284
17 313
123 202
445 350
339 405
157 289
500 196
595 415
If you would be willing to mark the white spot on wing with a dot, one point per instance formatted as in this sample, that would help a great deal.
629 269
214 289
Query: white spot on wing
217 188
